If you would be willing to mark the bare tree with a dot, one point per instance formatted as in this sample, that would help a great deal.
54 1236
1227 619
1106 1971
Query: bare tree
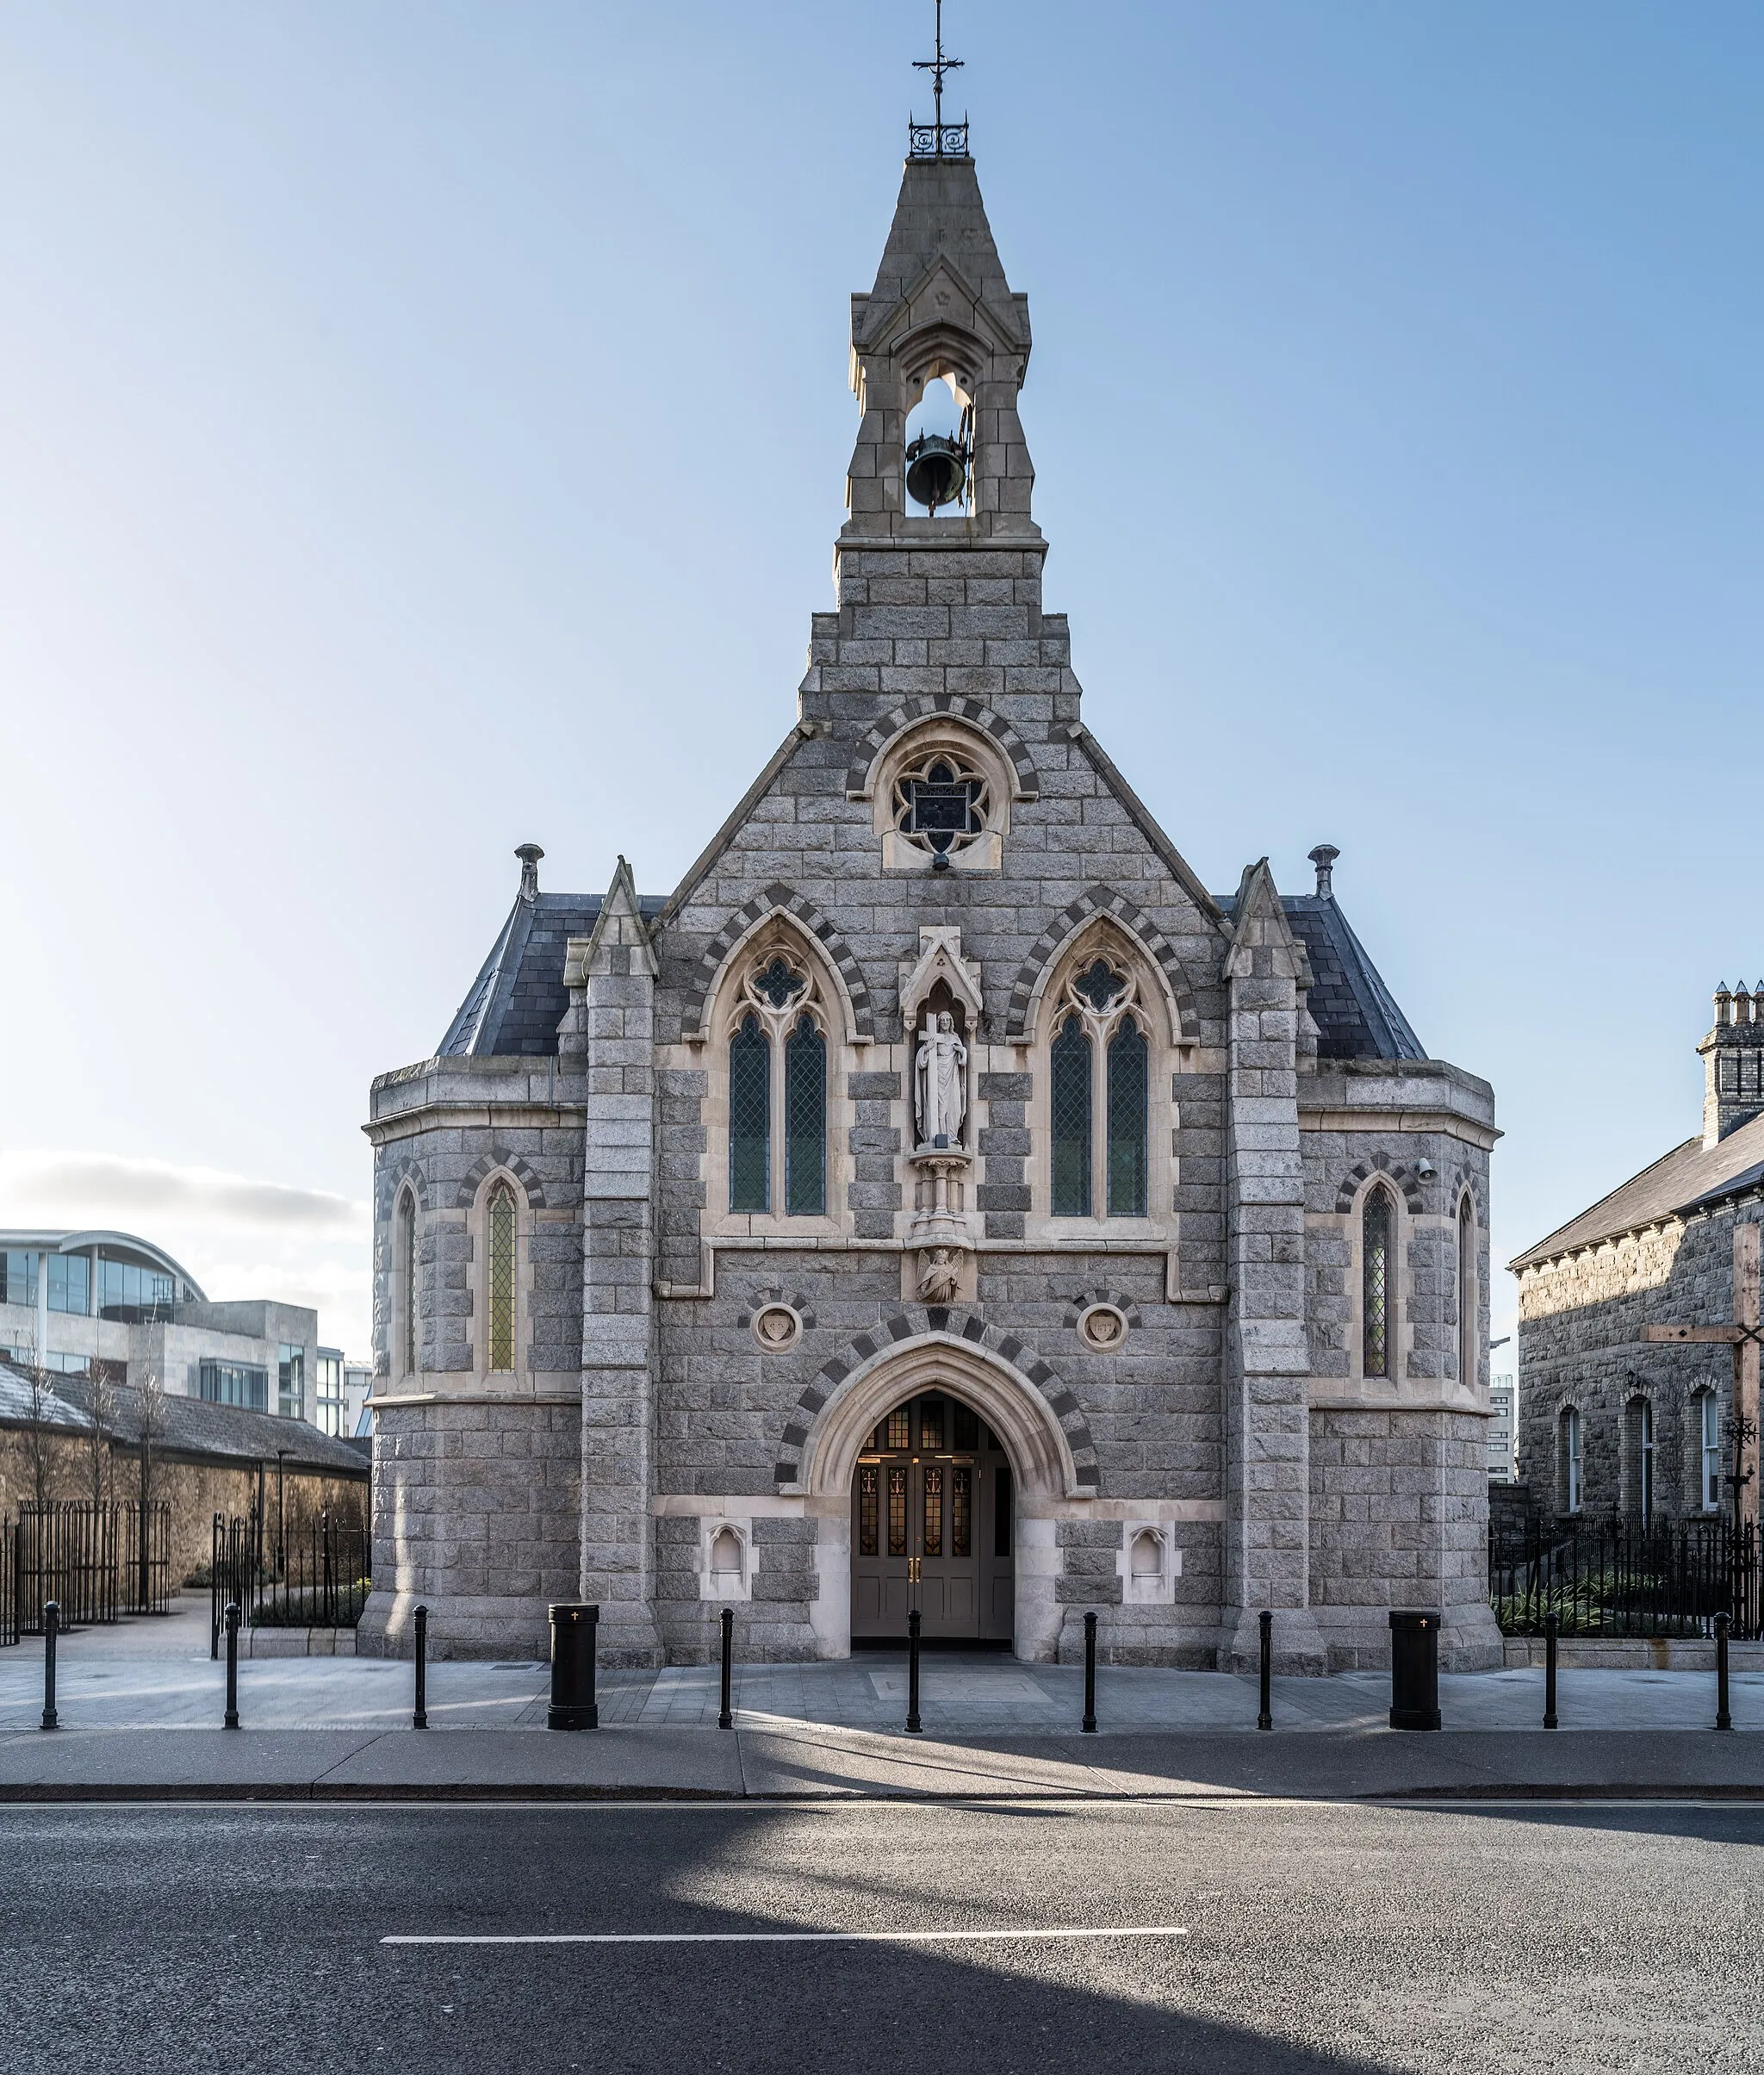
36 1432
102 1406
150 1390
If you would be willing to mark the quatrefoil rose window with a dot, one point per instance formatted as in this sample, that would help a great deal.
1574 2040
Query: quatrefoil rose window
940 804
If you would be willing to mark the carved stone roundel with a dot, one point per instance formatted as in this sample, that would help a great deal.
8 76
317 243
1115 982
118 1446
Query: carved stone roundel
777 1327
1102 1328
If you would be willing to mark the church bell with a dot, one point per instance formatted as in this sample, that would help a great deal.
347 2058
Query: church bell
936 470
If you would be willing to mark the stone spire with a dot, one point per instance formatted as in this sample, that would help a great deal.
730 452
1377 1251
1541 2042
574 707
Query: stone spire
940 306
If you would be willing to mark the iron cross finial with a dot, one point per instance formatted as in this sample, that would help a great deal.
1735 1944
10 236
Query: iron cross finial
938 140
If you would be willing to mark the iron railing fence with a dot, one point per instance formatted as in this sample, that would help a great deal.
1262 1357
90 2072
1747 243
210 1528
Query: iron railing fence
1620 1578
314 1575
144 1558
65 1551
95 1559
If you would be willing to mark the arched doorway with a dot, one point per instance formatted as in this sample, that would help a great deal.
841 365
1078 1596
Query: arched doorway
933 1526
1019 1417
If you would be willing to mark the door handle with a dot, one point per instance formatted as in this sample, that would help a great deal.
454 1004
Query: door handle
912 1569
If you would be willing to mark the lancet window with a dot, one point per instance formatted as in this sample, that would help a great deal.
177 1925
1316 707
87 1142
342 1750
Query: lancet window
500 1285
1468 1302
778 1088
405 1285
1100 1094
1377 1310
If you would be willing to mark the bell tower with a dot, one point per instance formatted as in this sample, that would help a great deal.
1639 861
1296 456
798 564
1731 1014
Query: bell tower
941 308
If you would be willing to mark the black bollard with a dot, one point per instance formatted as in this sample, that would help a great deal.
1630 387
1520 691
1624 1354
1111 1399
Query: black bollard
1723 1718
1550 1632
572 1704
725 1718
52 1624
1089 1723
1264 1712
420 1714
231 1720
1414 1670
912 1672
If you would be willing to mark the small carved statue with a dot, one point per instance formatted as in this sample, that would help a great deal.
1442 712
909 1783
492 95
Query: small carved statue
940 1279
940 1082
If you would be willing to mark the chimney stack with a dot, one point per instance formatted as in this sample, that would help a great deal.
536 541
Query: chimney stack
1733 1062
1323 857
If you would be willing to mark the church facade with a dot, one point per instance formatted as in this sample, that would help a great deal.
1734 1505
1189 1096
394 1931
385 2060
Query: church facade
939 1198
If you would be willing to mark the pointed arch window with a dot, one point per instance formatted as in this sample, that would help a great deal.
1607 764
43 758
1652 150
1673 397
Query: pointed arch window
1377 1229
1129 1108
1468 1300
778 1088
501 1279
750 1116
1100 1094
1071 1087
405 1286
805 1122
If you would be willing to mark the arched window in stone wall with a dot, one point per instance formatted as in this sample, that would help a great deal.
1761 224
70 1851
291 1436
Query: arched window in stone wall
1469 1296
1377 1284
407 1337
1099 1093
500 1282
1639 1457
1569 1484
778 1029
1706 1406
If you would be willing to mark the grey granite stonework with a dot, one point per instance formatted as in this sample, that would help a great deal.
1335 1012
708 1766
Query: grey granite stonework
1226 1425
1676 1244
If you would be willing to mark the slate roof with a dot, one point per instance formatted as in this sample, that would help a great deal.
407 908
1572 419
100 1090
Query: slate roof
1355 1014
518 998
1691 1177
186 1427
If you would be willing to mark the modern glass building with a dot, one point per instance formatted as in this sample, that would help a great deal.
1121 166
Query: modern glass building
113 1304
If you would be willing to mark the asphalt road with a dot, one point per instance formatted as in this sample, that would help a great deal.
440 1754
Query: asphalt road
1319 1937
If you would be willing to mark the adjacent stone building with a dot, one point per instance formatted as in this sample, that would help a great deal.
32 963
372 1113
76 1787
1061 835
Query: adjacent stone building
939 1196
1610 1422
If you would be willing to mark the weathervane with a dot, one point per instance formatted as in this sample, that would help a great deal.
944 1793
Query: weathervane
937 139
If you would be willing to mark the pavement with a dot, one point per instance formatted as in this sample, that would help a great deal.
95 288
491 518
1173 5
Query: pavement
140 1706
1243 1936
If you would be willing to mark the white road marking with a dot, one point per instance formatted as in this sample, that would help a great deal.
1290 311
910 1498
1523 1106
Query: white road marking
1129 1930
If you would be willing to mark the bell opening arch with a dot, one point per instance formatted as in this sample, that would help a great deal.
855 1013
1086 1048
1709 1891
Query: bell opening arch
1045 1476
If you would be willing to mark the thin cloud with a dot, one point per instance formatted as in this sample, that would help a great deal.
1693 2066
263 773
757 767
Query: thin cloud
42 1186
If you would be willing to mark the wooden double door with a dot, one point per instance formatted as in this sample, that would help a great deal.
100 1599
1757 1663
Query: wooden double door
932 1527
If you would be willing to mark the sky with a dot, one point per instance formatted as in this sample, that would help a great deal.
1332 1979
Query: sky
423 429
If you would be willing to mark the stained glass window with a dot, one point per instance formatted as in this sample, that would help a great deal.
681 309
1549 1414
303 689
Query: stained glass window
1129 1108
1375 1310
1099 984
869 1483
933 1511
1001 1511
501 1278
1069 1059
900 1426
930 1422
964 1426
805 1122
896 1510
750 1117
961 1511
940 805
